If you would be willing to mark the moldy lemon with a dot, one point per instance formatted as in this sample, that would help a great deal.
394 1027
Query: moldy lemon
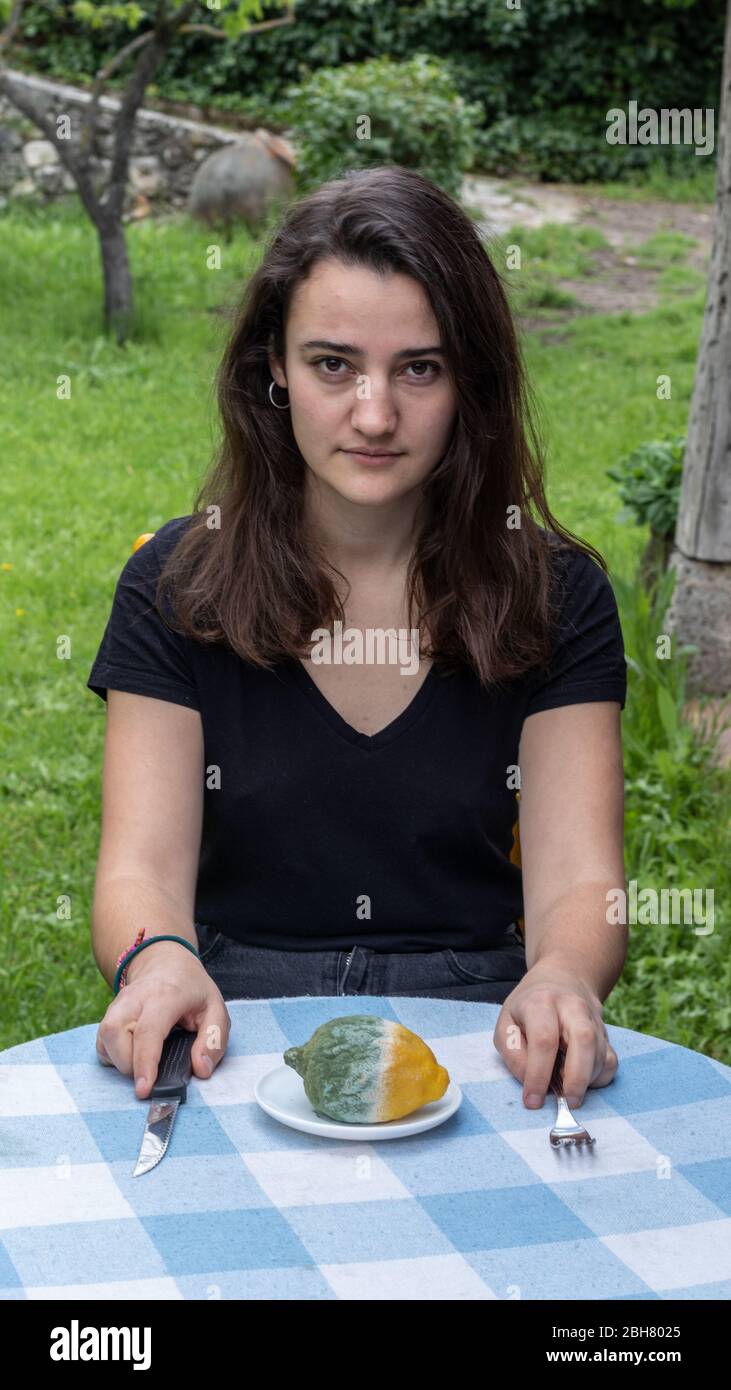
363 1070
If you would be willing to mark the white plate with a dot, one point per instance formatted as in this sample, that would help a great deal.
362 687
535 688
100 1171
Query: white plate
281 1093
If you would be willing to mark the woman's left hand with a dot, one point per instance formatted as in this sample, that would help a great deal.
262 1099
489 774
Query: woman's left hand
551 1006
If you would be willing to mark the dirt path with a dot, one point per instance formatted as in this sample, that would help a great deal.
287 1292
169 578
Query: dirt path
619 282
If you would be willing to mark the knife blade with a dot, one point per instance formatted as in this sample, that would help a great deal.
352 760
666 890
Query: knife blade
169 1092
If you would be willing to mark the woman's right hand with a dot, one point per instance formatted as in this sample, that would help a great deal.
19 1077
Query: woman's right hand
166 984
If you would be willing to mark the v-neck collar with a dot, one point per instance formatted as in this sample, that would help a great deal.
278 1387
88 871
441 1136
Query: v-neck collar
384 736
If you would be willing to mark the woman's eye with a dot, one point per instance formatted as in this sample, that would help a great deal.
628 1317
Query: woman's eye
420 376
328 359
434 367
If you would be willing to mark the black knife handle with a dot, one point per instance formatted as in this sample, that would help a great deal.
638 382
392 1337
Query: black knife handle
174 1071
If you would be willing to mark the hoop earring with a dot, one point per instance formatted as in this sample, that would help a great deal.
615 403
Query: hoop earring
274 403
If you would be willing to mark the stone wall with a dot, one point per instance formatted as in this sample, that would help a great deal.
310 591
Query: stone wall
166 150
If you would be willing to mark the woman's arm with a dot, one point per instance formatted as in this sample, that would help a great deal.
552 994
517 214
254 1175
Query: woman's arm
572 855
146 877
152 807
572 838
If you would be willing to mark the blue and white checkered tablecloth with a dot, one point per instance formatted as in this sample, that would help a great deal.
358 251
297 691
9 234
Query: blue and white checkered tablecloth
481 1207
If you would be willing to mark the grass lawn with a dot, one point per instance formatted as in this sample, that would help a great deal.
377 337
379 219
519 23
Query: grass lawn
84 476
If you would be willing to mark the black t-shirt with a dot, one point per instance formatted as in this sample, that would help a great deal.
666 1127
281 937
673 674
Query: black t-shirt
323 837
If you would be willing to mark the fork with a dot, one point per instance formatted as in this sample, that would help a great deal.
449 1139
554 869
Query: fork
566 1130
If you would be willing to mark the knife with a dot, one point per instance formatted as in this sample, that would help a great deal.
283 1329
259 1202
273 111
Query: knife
168 1092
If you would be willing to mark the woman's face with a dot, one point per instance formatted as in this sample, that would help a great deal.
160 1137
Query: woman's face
364 371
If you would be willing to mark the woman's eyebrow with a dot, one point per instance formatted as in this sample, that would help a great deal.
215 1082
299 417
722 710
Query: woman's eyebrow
358 352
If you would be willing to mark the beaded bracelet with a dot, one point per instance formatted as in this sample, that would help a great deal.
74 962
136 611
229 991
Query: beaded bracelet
139 945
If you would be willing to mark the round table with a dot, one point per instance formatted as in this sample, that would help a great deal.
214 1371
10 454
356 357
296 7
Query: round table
481 1207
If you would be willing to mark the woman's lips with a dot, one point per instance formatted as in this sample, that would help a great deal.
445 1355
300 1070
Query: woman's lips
371 458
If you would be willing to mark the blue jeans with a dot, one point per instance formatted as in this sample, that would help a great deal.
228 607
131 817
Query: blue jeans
256 972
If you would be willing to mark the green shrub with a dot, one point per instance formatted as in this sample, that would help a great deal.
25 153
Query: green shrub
381 112
570 143
544 74
649 484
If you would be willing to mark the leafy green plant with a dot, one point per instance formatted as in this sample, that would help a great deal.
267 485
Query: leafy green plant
381 112
656 685
570 144
543 74
649 484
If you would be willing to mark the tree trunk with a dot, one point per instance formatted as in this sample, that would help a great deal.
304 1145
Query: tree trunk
118 295
700 609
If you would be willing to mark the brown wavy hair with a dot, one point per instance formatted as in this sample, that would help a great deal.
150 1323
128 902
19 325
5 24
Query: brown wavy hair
260 583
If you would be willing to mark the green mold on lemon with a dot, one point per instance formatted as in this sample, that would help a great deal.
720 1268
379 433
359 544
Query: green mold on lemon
362 1069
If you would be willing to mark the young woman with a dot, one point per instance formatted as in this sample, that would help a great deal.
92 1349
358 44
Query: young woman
346 826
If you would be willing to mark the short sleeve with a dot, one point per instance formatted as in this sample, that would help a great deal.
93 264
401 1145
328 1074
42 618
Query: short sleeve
138 651
588 661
